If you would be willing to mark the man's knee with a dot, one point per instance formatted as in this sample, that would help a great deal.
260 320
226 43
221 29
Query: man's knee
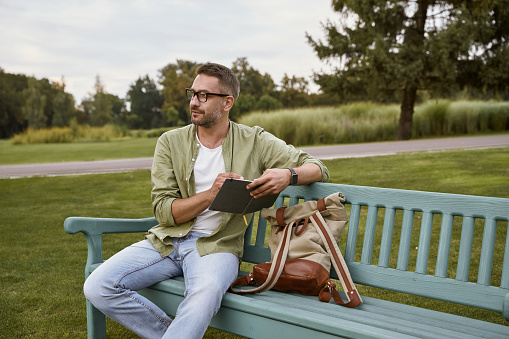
96 290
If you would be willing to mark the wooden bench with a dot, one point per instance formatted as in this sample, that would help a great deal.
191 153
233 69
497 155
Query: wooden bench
448 247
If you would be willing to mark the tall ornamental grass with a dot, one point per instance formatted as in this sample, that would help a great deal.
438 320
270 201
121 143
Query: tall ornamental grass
444 118
370 122
330 125
68 134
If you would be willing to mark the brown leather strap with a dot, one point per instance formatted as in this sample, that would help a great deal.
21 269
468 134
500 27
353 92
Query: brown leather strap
338 262
280 216
320 205
246 280
276 267
299 231
335 256
330 290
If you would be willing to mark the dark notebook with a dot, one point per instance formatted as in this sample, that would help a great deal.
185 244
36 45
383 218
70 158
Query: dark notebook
233 197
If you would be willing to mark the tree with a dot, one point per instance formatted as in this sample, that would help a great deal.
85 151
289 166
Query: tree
146 102
118 108
175 78
251 81
389 49
294 92
12 120
34 105
268 103
63 106
99 105
245 103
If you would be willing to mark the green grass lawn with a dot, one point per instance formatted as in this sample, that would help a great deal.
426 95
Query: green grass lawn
42 267
76 151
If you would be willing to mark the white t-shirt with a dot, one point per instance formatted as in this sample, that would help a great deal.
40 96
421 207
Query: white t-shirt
208 165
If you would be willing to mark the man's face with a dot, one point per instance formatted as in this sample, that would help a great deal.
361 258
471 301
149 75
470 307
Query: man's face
206 114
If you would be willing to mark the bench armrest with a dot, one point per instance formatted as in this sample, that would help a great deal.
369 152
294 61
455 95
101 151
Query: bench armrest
94 228
73 225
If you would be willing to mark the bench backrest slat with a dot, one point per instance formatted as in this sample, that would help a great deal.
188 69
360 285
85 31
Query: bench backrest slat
351 242
405 240
424 243
444 246
505 268
388 231
369 236
467 238
488 248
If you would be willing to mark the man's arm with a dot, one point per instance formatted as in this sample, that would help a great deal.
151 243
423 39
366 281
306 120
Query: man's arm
275 180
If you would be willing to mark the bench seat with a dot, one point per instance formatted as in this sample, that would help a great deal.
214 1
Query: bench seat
289 315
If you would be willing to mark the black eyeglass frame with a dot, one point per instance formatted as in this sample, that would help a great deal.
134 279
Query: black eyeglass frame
189 90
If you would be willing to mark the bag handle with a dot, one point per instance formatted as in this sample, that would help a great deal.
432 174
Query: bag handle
276 268
339 263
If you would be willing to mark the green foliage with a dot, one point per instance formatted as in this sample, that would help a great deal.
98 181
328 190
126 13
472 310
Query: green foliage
268 103
34 105
252 82
63 107
393 45
171 117
175 78
100 109
146 102
245 103
294 92
12 119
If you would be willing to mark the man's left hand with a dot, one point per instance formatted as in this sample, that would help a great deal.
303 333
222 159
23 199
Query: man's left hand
272 181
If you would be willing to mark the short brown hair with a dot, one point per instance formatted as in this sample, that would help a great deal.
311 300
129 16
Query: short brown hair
227 79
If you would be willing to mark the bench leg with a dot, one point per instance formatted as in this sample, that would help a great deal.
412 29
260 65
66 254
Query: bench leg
96 322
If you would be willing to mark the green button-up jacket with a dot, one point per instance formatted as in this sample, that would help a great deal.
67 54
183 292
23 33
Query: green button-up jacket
247 151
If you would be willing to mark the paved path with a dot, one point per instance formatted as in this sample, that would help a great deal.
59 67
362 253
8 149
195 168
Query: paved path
321 152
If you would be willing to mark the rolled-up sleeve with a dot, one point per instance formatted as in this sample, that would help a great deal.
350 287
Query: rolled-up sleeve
277 154
164 184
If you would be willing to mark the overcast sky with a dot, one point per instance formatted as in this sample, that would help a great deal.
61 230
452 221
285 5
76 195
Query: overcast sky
121 40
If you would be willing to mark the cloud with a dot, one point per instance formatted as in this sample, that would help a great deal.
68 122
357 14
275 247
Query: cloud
122 40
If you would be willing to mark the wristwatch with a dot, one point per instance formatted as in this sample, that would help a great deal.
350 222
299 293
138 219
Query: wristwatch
295 177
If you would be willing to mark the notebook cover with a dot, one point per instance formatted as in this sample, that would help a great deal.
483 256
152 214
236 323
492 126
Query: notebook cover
233 197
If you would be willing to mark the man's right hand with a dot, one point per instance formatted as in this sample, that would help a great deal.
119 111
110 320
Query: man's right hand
186 209
218 183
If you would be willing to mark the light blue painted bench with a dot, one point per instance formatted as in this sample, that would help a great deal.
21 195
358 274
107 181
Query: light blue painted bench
387 246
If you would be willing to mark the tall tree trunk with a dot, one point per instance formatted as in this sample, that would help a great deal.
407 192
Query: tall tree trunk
407 112
414 37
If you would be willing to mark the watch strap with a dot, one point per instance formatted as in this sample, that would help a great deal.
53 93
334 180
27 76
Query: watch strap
295 176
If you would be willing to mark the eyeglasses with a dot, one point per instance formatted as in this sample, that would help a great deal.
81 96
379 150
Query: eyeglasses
202 96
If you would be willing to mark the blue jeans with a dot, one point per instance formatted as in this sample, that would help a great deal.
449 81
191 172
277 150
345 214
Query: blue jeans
111 287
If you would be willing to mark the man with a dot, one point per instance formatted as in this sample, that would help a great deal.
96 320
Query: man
190 166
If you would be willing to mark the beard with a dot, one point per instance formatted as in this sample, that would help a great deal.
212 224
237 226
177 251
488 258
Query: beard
206 120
